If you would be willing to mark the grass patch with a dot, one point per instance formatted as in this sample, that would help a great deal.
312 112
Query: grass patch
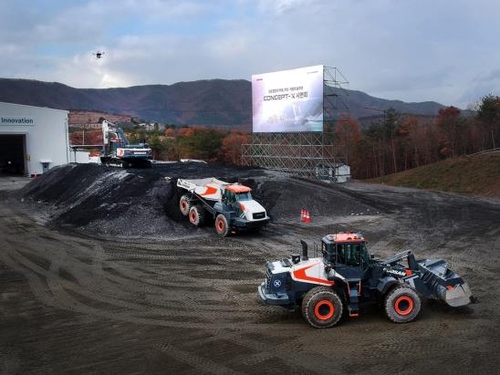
473 174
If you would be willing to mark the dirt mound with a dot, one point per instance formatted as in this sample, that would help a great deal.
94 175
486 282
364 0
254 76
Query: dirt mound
286 198
115 202
101 201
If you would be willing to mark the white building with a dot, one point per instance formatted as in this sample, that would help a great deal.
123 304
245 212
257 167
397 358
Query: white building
334 173
32 139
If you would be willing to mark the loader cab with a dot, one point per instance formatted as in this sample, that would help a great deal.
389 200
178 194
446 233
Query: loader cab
345 250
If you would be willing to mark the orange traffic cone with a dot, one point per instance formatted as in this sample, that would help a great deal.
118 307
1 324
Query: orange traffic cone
307 218
302 215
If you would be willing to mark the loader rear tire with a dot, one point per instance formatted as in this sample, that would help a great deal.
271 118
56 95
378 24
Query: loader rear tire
322 307
402 304
197 215
184 204
221 225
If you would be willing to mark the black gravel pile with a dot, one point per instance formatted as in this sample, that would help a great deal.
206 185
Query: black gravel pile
127 203
286 198
102 201
115 202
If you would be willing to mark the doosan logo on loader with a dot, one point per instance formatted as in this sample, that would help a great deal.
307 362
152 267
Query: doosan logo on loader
395 272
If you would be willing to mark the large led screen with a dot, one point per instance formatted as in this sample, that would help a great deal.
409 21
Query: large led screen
288 101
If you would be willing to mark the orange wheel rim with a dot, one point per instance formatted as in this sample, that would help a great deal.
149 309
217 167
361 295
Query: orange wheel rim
403 305
324 310
220 225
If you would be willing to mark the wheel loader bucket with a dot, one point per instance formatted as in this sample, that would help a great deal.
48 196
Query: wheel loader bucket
444 284
460 295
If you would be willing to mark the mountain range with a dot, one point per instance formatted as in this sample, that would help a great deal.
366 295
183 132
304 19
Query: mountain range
204 102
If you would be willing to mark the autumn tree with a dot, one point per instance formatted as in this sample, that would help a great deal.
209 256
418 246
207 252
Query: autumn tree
230 151
348 134
488 114
390 129
200 143
415 141
408 145
373 151
159 146
450 127
380 144
169 132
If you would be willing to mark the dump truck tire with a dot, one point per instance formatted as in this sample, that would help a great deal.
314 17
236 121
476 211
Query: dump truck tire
402 304
184 204
322 307
221 225
196 215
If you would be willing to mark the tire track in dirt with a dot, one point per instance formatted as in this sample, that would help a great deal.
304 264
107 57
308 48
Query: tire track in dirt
56 291
192 302
48 288
201 364
291 352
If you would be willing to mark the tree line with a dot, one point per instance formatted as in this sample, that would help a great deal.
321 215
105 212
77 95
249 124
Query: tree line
400 142
175 142
195 142
393 144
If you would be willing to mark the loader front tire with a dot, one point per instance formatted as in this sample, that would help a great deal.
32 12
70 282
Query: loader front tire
184 204
322 307
402 304
197 216
221 225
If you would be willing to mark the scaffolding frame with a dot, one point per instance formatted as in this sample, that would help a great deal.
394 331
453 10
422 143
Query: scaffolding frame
305 154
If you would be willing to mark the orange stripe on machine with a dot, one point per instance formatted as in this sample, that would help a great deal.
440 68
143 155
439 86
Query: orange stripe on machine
302 275
209 191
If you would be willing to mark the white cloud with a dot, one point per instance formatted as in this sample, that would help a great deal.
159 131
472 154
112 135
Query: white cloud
414 50
282 6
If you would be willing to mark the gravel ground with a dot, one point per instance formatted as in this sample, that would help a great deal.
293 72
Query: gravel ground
100 274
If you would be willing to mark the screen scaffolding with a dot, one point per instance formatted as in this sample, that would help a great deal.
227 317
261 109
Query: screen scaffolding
314 155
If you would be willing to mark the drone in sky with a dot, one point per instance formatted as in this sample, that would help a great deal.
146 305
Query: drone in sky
98 54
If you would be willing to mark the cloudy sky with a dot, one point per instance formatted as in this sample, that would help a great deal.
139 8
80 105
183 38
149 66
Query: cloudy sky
412 50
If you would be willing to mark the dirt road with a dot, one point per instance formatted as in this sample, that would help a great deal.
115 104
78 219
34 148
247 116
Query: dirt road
76 304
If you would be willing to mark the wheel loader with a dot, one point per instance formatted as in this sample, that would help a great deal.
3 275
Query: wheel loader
346 279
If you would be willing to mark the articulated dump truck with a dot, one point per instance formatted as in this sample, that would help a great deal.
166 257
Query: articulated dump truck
230 204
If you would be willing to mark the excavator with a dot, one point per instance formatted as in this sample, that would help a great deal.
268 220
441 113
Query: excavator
117 151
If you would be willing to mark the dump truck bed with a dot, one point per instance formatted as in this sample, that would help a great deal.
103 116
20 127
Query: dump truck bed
207 188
